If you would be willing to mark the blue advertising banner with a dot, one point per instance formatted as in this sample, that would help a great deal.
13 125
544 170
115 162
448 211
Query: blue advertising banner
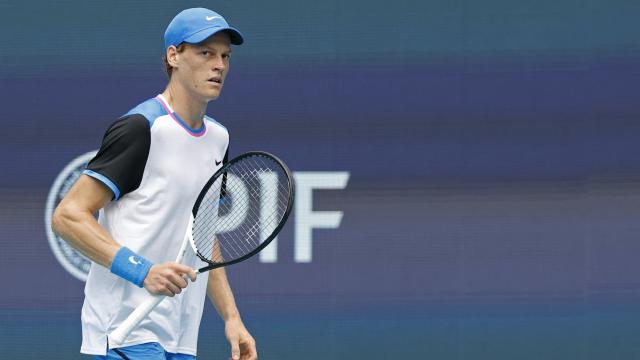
467 173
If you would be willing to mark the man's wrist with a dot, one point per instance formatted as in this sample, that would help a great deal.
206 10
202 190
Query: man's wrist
232 317
130 266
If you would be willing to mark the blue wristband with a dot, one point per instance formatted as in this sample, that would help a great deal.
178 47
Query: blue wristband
130 266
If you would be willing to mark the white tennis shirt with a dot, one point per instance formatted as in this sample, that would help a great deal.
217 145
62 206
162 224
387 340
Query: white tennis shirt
155 165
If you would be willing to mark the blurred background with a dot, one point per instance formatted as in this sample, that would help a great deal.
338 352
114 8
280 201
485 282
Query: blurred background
490 151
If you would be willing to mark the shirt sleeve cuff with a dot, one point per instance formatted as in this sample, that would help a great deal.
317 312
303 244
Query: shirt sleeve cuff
105 180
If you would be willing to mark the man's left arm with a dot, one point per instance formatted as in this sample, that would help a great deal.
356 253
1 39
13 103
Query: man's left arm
243 346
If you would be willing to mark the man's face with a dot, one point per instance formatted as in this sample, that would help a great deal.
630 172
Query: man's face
202 68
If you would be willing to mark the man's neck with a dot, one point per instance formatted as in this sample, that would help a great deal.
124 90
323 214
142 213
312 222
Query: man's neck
190 110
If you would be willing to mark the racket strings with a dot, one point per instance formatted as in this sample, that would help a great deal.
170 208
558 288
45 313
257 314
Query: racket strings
256 196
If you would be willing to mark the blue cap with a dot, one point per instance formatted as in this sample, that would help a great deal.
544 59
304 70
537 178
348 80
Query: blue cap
197 24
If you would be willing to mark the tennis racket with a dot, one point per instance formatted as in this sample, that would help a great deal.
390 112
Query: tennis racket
239 211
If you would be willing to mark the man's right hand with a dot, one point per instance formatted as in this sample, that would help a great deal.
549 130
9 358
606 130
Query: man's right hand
168 278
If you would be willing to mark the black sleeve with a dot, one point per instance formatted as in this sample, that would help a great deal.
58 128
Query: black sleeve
120 162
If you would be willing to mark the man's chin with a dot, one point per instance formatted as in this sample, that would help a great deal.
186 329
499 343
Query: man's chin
210 96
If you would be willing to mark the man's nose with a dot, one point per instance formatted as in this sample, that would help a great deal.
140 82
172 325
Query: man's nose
219 64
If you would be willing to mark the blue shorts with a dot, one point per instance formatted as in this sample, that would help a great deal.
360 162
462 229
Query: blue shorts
147 351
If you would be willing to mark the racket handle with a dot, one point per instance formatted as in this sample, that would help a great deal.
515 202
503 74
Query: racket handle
119 335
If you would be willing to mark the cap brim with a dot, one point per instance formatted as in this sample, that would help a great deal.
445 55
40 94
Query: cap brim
234 35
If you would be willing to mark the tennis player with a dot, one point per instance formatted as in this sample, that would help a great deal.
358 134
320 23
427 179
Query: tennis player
151 165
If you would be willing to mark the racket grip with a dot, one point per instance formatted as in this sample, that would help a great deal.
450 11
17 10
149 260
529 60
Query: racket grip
119 335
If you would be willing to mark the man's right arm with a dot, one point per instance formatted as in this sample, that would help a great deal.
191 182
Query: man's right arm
74 221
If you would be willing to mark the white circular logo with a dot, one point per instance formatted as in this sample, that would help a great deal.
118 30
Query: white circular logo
72 261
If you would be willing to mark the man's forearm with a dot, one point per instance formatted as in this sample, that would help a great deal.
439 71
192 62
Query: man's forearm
221 295
76 226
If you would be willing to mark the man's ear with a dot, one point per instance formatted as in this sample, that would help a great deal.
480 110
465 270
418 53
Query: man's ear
172 56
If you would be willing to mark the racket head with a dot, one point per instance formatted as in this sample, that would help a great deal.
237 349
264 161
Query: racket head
241 209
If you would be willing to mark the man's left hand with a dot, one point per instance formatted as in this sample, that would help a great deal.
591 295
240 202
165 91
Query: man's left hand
243 346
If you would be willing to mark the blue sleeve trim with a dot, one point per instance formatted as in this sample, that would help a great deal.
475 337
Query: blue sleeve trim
130 266
110 184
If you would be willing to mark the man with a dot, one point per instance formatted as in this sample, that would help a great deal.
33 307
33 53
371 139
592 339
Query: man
144 180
